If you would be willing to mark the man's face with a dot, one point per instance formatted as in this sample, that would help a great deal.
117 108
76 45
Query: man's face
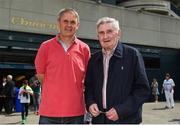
108 36
68 24
8 79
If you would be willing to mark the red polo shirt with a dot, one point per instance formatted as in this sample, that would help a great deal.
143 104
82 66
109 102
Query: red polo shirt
62 91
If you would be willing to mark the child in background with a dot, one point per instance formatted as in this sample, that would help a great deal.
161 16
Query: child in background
24 96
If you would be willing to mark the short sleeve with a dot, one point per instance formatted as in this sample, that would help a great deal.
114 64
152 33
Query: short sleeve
40 60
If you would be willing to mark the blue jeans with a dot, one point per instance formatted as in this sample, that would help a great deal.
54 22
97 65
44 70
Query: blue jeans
61 120
36 101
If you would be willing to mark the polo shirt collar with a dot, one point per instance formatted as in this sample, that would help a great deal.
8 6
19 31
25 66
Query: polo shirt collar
74 41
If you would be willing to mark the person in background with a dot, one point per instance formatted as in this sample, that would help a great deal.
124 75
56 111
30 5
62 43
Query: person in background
9 93
61 66
24 95
168 87
87 118
36 87
155 90
116 85
2 96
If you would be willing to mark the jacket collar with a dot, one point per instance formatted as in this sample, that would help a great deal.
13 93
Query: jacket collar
117 53
119 50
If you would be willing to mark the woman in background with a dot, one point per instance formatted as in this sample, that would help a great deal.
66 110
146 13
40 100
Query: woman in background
155 90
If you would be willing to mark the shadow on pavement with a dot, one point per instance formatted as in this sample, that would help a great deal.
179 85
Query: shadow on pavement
163 108
8 115
175 120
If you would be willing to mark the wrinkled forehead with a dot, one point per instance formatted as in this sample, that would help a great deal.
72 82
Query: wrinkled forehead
107 26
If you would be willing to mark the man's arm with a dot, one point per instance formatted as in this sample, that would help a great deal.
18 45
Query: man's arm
40 78
88 86
40 63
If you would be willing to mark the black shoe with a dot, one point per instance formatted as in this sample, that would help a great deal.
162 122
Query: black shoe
166 107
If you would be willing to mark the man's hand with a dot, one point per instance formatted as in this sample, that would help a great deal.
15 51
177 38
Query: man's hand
112 114
93 109
40 78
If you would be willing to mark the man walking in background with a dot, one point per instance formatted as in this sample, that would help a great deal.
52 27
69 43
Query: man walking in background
36 87
168 87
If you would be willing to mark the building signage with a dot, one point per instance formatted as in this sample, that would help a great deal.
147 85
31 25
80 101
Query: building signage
22 21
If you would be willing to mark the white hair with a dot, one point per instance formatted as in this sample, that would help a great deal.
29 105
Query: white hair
104 20
10 77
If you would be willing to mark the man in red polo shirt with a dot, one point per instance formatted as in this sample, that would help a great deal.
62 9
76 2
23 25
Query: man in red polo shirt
61 65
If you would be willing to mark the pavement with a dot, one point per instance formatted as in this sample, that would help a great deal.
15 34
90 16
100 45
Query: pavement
156 113
153 113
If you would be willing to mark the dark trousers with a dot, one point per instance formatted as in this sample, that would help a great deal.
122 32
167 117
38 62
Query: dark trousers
24 110
61 120
2 103
8 105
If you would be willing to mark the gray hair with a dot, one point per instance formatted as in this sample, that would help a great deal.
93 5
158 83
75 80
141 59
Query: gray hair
104 20
10 77
65 10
